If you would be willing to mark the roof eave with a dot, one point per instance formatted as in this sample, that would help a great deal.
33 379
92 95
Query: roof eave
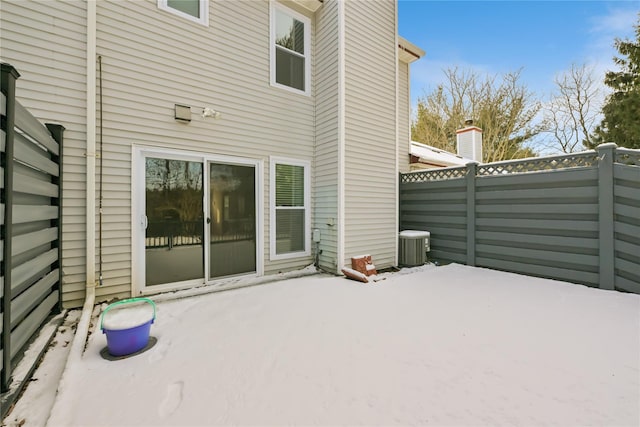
310 5
407 51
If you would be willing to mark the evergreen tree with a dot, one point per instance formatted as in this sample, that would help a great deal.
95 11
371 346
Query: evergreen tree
621 122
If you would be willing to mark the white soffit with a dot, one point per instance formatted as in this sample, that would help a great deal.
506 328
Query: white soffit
407 51
311 5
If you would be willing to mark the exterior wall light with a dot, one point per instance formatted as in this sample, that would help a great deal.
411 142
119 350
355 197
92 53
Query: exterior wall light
183 113
210 112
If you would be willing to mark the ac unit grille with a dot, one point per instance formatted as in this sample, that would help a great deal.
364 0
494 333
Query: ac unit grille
412 251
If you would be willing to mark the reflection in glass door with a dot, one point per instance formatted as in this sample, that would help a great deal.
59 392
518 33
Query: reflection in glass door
232 222
174 250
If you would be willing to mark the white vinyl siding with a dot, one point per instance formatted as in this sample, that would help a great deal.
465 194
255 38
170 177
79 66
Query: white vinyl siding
46 43
325 169
149 68
151 60
404 117
290 208
193 10
370 140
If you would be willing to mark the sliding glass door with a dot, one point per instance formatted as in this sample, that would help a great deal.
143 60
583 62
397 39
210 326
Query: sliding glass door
232 224
197 219
174 221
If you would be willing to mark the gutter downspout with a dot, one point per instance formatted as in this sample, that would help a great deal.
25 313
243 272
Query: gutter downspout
91 146
90 285
59 410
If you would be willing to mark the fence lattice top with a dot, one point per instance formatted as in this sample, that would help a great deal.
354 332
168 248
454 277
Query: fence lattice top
628 157
434 174
565 161
585 159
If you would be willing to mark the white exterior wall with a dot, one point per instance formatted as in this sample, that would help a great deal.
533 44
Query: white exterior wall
152 60
404 117
370 131
46 43
327 132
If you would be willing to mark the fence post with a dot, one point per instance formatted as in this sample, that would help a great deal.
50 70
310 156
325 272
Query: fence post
8 76
606 153
57 132
472 168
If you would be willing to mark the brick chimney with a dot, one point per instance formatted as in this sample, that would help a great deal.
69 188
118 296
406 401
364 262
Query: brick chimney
469 141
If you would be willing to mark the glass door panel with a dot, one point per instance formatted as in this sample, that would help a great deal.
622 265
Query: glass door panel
232 222
174 249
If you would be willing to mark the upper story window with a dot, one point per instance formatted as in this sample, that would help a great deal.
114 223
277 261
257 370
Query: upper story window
290 49
194 10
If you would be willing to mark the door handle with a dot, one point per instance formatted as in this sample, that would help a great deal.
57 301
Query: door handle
208 220
144 222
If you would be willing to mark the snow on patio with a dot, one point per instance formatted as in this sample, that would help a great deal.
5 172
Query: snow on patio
451 345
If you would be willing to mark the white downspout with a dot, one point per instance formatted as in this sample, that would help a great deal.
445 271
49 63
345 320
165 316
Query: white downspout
90 288
59 410
91 146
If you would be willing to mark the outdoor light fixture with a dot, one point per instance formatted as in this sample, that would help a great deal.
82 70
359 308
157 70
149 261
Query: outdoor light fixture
183 113
210 112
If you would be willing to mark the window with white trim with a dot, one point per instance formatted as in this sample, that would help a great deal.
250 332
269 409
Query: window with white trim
290 49
194 10
290 208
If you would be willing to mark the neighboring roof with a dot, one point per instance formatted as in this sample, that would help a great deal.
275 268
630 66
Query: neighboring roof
407 51
435 156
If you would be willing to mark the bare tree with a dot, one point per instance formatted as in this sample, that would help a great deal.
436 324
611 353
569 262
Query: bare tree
574 110
500 105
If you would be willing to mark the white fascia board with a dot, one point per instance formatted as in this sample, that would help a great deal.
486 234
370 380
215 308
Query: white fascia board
310 5
407 51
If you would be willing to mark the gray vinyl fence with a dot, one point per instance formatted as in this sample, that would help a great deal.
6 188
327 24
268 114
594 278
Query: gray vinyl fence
30 219
573 217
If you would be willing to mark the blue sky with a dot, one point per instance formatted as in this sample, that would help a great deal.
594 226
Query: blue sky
541 37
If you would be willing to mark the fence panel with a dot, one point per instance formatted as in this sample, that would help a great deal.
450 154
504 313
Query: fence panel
442 211
532 222
31 215
572 217
627 227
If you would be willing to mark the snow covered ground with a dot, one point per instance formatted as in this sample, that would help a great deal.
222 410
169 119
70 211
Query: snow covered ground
450 345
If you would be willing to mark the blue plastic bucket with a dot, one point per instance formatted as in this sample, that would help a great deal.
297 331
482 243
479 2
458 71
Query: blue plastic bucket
121 342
